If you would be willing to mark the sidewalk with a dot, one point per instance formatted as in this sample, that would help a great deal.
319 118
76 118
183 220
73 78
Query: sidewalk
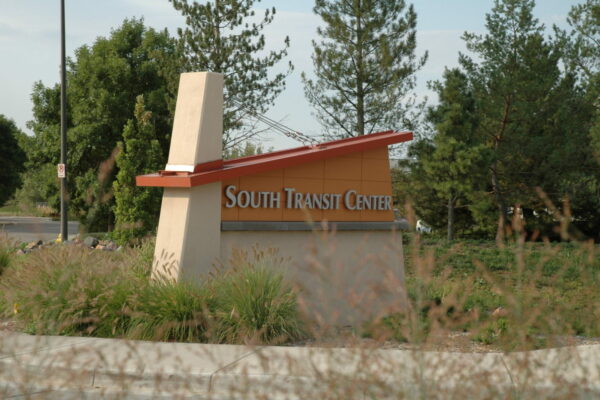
73 367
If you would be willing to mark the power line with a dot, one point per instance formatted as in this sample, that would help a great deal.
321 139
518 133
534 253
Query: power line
278 126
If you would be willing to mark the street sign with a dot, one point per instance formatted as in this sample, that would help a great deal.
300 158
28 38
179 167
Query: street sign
62 173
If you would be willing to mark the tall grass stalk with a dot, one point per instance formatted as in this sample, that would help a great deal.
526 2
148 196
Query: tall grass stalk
255 303
66 290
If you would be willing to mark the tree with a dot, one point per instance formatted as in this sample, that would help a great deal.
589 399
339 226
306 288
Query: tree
104 81
456 167
12 158
581 47
137 208
365 66
582 56
582 44
220 37
521 101
245 150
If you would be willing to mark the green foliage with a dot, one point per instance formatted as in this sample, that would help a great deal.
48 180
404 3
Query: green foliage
65 290
456 168
582 58
12 158
582 42
222 36
75 292
249 149
515 127
254 302
520 296
365 66
6 251
528 110
39 186
137 208
104 82
169 312
493 331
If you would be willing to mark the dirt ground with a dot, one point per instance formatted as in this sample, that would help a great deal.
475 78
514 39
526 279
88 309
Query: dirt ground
460 342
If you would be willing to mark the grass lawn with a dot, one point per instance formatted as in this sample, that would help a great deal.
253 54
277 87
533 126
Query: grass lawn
13 209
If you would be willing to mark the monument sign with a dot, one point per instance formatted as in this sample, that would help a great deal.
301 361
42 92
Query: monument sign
280 199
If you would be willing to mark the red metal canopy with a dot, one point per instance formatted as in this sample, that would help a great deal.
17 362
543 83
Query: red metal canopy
216 171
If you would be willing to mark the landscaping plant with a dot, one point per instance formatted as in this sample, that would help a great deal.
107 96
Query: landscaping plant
68 290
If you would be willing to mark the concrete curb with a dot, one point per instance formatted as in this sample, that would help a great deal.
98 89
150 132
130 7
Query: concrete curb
56 364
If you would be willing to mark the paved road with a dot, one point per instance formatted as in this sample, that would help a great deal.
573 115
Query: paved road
28 229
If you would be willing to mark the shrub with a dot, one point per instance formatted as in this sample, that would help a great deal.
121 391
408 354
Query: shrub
519 295
165 311
5 256
253 302
71 291
66 290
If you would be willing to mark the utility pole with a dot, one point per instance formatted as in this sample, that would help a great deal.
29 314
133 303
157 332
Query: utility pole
62 168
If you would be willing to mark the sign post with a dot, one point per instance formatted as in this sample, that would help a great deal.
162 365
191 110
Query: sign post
64 233
61 171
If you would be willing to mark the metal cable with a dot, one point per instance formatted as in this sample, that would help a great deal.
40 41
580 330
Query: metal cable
278 126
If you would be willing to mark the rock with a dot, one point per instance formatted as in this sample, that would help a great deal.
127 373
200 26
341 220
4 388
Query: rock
91 241
499 312
34 245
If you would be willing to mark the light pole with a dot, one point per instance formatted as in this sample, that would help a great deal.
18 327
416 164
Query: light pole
64 231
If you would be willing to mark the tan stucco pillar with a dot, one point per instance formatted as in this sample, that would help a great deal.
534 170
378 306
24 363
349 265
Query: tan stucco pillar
188 237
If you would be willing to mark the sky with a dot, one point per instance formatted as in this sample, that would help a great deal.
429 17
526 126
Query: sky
30 44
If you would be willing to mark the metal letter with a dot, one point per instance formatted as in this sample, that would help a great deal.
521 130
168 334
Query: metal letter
316 200
336 200
308 201
239 199
347 200
275 201
230 196
289 196
326 201
298 200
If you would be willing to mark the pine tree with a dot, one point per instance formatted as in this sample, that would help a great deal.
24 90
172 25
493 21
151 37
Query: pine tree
365 66
219 37
582 44
582 57
457 165
517 85
137 208
581 47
